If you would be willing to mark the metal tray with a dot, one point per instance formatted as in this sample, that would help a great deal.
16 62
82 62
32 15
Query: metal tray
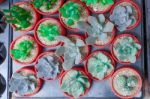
100 89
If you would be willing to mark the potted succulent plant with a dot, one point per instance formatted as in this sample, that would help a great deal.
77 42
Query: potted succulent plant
100 65
24 82
126 49
24 49
73 50
46 30
75 83
100 30
22 16
47 7
71 12
99 6
126 15
49 66
126 82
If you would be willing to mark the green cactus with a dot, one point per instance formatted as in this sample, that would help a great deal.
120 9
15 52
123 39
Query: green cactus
47 3
71 11
23 50
49 31
18 16
103 2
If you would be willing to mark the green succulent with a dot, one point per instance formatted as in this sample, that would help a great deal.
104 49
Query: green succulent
75 83
98 65
71 11
23 50
126 49
49 31
126 84
47 3
18 16
103 2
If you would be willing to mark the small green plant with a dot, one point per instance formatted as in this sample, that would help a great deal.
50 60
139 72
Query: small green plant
103 2
72 11
47 3
49 31
18 16
23 50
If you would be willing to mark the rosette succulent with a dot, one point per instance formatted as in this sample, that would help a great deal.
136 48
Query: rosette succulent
70 50
23 49
97 28
103 2
123 17
126 84
48 31
48 67
75 83
48 4
71 11
125 49
23 84
99 66
18 16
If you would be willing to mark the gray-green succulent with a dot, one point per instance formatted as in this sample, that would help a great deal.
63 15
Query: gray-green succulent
96 28
126 48
99 65
70 50
75 83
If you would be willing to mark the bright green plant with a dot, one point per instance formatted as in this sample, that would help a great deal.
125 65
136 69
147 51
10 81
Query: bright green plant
47 3
103 2
75 83
71 11
49 31
23 50
18 16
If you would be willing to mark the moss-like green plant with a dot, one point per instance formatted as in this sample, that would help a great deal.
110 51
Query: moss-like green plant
126 84
71 11
23 50
75 83
47 3
18 16
49 31
103 2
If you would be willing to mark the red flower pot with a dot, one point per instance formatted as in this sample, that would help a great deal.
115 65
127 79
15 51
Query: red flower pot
37 52
52 12
83 72
100 12
40 82
129 68
52 20
109 42
120 36
62 31
35 14
96 53
49 53
69 27
136 8
87 47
